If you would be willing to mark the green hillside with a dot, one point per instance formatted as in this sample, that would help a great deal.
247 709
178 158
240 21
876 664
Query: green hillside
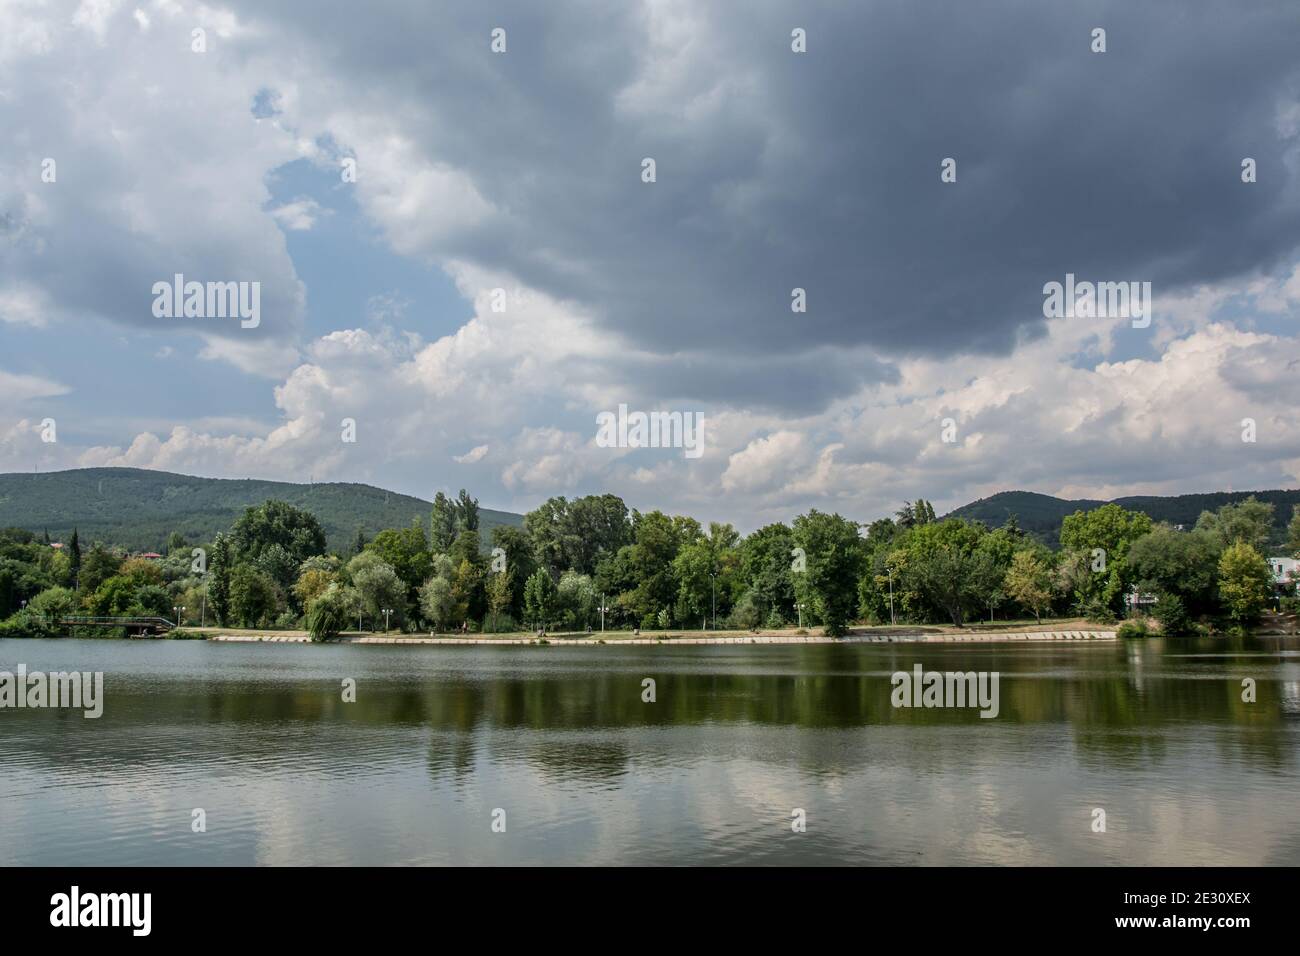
138 509
1041 514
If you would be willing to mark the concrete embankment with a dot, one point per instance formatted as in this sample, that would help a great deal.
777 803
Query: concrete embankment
992 637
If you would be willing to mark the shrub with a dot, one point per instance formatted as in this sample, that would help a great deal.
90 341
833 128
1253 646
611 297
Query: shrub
53 603
746 613
1097 611
1134 628
499 622
26 624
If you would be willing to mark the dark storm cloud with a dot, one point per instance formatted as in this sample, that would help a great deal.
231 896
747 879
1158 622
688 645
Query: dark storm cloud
821 170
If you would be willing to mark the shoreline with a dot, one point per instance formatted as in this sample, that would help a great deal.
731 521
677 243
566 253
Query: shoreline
1085 635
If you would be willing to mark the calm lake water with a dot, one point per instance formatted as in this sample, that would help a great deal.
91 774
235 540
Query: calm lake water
1155 733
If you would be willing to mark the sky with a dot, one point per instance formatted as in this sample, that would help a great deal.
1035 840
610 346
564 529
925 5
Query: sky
133 148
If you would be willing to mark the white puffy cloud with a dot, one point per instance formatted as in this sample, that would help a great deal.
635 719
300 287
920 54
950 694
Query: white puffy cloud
475 454
299 215
762 463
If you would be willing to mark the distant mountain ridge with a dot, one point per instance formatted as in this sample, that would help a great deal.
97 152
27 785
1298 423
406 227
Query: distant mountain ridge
139 509
1041 515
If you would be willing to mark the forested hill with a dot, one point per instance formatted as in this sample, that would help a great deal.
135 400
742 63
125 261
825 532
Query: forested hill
138 509
1041 514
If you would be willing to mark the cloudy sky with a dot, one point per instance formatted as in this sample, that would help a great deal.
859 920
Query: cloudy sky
774 170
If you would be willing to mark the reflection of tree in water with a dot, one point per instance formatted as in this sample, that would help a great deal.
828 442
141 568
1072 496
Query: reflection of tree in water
1117 705
580 758
452 754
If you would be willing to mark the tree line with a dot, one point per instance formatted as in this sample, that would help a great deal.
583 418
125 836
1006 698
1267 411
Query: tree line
577 564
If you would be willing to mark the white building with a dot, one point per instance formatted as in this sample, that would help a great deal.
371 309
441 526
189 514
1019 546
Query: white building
1285 570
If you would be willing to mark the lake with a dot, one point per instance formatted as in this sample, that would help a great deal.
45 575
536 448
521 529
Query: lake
258 736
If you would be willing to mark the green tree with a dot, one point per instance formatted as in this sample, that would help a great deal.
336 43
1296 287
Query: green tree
437 603
253 597
1250 521
468 590
594 527
99 565
766 560
517 549
834 559
278 564
442 530
941 564
378 586
1245 582
1029 582
540 598
312 583
466 512
1171 614
748 612
576 598
74 560
987 580
617 580
1183 564
53 603
694 569
577 535
328 613
1102 537
500 598
277 523
406 551
114 597
544 526
151 600
219 572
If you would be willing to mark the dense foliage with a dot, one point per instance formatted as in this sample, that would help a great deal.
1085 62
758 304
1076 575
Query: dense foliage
592 562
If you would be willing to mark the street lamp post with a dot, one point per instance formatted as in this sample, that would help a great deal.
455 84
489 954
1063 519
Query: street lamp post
603 609
799 608
387 611
179 610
